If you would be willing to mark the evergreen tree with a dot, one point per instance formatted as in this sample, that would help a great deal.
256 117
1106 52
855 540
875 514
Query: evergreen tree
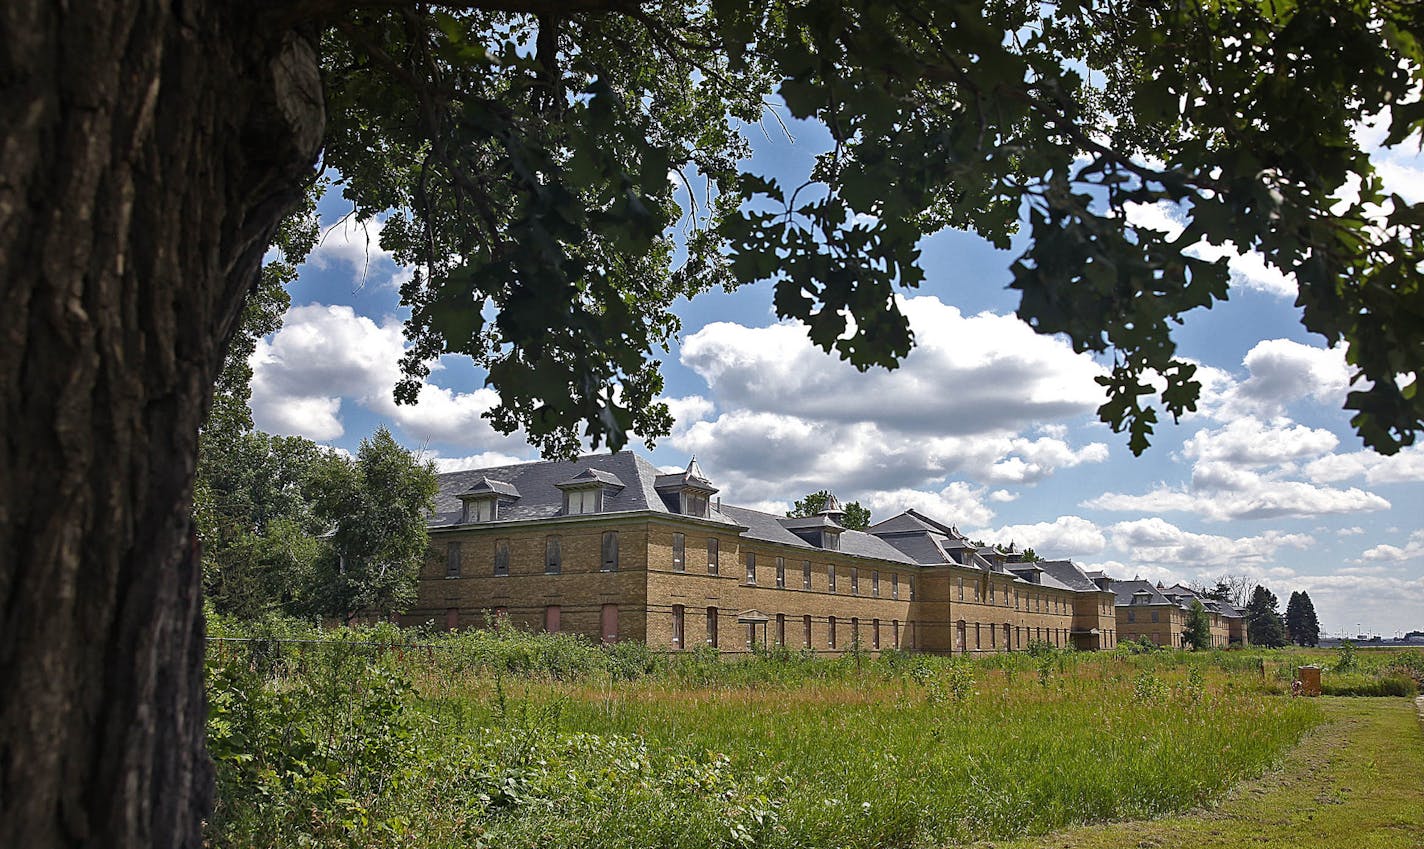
1263 620
1293 618
1198 631
1309 633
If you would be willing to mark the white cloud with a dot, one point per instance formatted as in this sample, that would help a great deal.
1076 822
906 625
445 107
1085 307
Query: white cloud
325 356
1405 467
1413 548
1251 442
356 245
483 460
796 419
1066 536
1282 371
1258 498
959 504
1155 541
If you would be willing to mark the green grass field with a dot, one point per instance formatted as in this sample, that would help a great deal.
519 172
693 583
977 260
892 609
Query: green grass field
515 740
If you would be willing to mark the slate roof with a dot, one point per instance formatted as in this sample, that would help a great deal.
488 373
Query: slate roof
1045 578
768 527
485 486
1068 573
537 484
1125 591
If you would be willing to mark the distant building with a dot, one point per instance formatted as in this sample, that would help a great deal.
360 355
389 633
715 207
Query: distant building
611 547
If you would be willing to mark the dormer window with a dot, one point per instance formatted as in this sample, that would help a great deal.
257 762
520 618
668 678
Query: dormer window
687 493
589 491
579 501
484 500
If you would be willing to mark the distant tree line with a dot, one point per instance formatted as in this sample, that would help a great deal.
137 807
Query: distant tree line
1265 626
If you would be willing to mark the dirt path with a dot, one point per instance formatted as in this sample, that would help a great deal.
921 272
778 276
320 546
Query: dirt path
1355 782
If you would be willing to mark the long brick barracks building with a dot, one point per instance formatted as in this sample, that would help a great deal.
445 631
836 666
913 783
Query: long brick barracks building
611 547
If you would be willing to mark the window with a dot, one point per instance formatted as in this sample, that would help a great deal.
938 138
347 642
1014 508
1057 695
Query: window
854 581
609 619
712 555
501 557
610 552
1154 616
452 560
831 631
855 633
805 574
875 583
978 639
582 501
875 634
712 627
894 586
991 593
895 632
452 618
553 556
677 617
781 629
1131 615
480 510
781 573
694 504
961 637
751 567
679 552
831 577
551 619
912 590
806 630
961 589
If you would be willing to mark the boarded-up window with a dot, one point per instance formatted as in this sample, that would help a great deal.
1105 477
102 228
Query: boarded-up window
854 581
751 567
553 556
961 640
679 552
855 633
677 626
875 583
712 627
912 589
831 631
961 589
452 618
712 555
781 573
805 574
781 629
610 551
806 630
501 557
894 586
831 577
551 618
609 620
895 632
452 560
875 634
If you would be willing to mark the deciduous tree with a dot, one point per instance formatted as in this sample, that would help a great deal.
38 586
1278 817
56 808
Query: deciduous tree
1197 634
856 517
151 149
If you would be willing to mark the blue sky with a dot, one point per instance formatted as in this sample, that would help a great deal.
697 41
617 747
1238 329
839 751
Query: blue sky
986 425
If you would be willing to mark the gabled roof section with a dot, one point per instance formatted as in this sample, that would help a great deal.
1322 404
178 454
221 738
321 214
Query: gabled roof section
592 477
691 478
485 486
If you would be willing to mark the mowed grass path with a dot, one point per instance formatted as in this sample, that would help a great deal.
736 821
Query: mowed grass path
1354 782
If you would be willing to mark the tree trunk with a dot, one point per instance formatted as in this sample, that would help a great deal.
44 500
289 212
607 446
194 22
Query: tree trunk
147 151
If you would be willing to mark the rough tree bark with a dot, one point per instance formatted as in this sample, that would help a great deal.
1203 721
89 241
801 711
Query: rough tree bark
148 148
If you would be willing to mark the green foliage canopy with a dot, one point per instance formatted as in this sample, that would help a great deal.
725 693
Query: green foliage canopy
533 157
1301 623
1263 619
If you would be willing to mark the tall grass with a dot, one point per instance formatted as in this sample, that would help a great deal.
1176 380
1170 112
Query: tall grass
382 737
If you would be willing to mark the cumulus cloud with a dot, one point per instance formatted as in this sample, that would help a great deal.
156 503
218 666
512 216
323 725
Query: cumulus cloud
1405 467
1066 536
325 356
1251 442
795 419
958 503
1155 541
1413 548
355 244
1258 498
483 460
